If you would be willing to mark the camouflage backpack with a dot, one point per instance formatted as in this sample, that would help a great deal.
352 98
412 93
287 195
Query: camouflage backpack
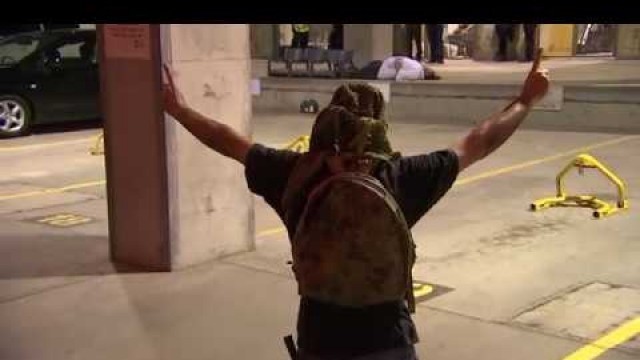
350 242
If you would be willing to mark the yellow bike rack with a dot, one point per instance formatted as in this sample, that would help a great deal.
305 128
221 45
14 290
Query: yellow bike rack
601 208
301 144
98 146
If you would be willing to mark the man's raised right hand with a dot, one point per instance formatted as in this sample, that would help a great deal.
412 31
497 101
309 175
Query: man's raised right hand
537 83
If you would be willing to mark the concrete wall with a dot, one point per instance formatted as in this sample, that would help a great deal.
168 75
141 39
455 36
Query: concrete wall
262 40
484 43
399 46
368 41
584 108
211 209
628 41
382 37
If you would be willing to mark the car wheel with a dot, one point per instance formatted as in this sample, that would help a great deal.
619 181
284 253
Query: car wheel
15 116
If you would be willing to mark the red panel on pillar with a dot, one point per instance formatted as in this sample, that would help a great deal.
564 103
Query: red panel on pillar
130 86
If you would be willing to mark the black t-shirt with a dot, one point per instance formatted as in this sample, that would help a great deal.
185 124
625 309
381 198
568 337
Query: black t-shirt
417 183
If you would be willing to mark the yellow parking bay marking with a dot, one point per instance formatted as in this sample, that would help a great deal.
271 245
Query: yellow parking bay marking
423 291
269 232
272 231
64 220
420 290
44 145
530 163
616 337
52 190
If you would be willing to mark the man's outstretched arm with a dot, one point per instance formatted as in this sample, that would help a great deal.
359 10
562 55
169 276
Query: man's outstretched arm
494 131
215 135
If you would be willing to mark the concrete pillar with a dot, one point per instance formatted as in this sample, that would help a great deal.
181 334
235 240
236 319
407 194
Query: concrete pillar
400 42
262 39
210 207
172 201
319 35
484 42
286 34
627 42
557 40
135 150
368 41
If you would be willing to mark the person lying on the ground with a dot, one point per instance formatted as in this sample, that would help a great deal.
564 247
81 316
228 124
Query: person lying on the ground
372 69
402 68
326 329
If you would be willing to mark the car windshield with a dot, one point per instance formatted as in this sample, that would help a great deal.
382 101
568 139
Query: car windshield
15 48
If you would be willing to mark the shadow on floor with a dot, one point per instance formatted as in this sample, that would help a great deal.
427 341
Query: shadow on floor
67 126
51 255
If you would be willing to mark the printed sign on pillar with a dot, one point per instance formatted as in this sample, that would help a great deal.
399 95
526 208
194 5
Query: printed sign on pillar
127 41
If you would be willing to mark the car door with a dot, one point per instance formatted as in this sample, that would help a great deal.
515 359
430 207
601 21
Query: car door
69 81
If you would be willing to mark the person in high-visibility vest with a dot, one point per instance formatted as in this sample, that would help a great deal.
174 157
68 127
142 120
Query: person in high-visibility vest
300 35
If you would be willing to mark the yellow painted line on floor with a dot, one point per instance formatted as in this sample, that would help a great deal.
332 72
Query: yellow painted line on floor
420 290
279 230
616 337
64 220
44 145
272 231
526 164
52 190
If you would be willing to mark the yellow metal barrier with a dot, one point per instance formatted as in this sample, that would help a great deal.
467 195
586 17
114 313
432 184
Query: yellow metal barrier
601 208
301 144
98 146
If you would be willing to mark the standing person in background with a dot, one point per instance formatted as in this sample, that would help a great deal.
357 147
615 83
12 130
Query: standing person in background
414 35
506 33
300 35
336 37
529 40
434 34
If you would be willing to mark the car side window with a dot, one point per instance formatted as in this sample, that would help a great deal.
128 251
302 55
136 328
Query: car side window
73 53
13 50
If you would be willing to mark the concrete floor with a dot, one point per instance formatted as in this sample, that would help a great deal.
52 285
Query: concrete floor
523 285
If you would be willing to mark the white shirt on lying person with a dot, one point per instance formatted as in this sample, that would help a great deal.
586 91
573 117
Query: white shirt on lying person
400 68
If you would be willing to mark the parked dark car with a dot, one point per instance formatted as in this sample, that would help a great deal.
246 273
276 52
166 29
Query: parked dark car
47 76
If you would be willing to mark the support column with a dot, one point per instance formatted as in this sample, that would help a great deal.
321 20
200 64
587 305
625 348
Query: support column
557 40
484 42
210 207
286 34
135 157
627 42
368 41
173 202
400 40
262 40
